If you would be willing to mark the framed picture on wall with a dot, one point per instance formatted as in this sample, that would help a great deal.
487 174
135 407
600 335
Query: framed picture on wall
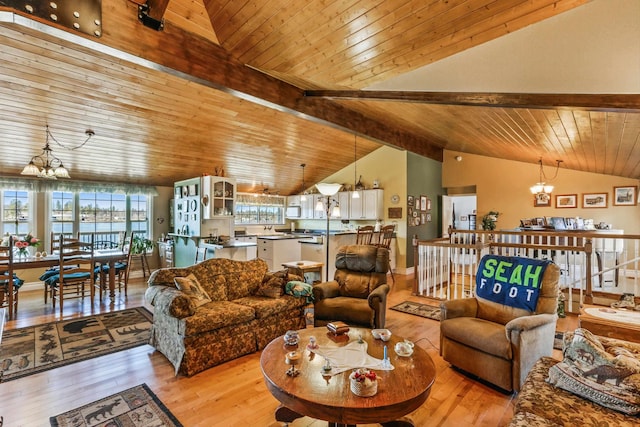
594 200
423 203
624 196
409 200
566 201
541 199
417 204
429 217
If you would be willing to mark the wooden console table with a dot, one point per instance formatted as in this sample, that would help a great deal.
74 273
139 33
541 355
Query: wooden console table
306 267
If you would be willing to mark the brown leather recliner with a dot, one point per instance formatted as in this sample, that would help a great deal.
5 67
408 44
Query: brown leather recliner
496 342
358 293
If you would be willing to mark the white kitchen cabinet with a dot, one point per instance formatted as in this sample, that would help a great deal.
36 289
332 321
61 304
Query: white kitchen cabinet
312 252
319 214
252 251
307 207
218 197
344 200
370 205
278 251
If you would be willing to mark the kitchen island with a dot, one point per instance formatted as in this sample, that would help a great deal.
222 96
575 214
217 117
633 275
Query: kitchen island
233 249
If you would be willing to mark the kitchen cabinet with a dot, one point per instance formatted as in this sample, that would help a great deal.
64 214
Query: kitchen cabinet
307 207
218 197
278 251
312 252
370 205
318 214
252 251
344 200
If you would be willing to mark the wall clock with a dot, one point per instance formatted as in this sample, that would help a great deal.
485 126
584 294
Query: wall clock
395 199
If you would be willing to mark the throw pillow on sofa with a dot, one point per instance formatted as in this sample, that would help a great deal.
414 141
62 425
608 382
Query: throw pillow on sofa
273 284
192 288
605 374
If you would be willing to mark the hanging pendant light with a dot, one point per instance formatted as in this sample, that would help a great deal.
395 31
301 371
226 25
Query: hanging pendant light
355 194
541 188
304 188
46 164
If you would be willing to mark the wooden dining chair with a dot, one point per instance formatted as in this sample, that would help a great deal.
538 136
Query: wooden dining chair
9 282
76 272
384 241
122 268
54 248
364 235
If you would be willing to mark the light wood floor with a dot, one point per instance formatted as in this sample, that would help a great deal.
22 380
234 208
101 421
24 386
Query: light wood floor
234 393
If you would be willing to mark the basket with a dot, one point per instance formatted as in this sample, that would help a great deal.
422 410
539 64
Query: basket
363 388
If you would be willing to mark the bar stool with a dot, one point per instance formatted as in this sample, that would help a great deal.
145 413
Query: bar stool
364 235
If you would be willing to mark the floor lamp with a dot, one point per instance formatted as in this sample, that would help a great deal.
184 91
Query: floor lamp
328 190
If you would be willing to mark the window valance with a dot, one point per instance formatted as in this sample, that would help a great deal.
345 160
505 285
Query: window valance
42 185
259 199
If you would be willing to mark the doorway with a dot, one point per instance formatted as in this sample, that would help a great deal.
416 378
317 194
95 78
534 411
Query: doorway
459 212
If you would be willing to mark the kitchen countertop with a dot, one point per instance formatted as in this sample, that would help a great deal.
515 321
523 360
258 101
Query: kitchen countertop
229 244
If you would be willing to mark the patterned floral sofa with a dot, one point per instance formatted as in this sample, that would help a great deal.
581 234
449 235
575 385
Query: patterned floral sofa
542 404
237 321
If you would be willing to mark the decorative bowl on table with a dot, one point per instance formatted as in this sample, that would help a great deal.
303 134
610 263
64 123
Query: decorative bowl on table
379 333
404 348
363 382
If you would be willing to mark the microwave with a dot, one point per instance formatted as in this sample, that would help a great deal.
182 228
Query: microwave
293 212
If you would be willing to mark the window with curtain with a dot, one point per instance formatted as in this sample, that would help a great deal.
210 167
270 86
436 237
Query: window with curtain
105 214
252 209
16 212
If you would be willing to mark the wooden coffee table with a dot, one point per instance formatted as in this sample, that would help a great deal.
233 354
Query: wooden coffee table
611 323
400 391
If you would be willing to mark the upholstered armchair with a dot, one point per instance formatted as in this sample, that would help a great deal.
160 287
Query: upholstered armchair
358 293
496 342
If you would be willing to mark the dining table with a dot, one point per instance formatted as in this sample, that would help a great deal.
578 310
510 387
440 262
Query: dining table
102 256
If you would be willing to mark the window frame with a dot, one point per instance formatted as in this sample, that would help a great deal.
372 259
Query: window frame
31 209
77 217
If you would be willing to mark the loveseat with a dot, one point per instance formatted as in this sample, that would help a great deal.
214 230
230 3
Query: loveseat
239 319
540 403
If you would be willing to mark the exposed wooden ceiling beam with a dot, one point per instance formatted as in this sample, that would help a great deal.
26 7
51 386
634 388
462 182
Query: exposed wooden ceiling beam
157 8
195 58
587 102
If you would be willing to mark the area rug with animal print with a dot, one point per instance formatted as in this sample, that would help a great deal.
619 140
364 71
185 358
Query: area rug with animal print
603 370
26 351
419 309
137 406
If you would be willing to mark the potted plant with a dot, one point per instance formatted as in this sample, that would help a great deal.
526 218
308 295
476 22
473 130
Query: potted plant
141 245
489 220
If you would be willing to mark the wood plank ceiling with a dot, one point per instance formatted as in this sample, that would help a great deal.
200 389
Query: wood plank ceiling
223 84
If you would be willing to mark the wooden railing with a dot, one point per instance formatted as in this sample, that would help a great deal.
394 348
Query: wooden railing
593 265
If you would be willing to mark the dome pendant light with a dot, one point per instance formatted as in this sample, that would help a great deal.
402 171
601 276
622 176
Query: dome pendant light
304 189
355 194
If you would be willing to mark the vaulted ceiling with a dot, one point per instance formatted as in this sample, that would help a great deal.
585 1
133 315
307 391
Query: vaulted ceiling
260 87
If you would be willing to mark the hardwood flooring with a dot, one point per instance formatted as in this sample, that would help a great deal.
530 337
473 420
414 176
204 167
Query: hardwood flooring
234 393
